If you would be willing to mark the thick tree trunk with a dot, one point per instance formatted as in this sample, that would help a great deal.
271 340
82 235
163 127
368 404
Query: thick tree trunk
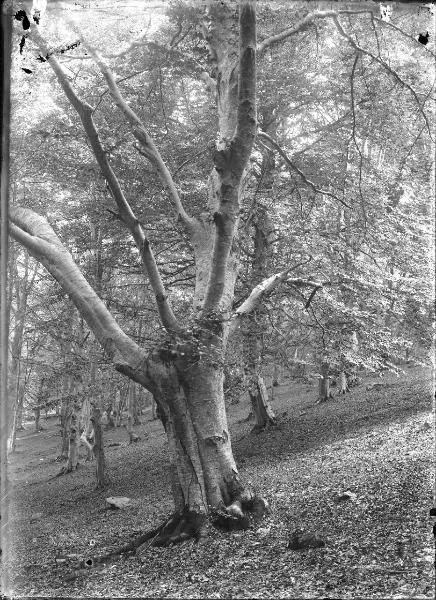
205 480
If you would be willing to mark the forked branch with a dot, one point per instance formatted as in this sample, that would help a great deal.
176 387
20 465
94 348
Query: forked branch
266 287
85 112
139 131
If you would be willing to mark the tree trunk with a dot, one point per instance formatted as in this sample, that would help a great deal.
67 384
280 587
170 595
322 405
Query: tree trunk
276 375
73 443
23 288
130 413
324 392
262 411
37 417
65 424
17 424
66 412
136 407
86 429
255 325
342 383
154 415
117 409
98 449
72 433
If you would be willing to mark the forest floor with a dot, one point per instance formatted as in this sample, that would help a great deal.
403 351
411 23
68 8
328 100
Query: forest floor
377 443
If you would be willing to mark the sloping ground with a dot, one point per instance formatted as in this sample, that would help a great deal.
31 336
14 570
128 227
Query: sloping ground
377 444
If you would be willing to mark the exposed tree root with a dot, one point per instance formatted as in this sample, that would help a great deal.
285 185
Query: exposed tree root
186 525
325 399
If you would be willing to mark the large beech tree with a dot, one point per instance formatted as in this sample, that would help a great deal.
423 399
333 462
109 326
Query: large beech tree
185 371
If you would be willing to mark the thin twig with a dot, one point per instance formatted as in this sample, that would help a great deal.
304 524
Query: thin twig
290 164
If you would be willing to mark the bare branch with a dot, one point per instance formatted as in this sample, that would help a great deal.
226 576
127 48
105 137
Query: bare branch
290 164
85 113
304 24
34 233
392 26
386 67
323 14
140 133
264 288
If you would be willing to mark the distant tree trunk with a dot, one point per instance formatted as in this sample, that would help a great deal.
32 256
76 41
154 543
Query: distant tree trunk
131 412
110 418
136 407
117 408
275 377
22 286
19 412
72 429
255 325
17 424
154 415
87 430
37 412
262 411
66 412
65 417
324 392
73 442
98 449
342 383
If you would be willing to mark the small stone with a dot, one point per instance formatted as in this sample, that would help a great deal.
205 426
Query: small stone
345 497
36 517
118 502
302 541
